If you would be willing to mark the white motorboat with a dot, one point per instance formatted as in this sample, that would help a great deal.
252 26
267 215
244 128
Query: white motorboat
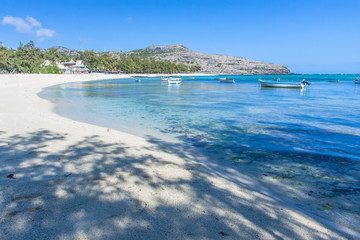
172 80
278 84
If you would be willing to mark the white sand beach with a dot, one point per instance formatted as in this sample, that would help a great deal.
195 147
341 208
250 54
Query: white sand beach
73 180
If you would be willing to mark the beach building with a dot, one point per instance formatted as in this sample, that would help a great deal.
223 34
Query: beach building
69 64
75 67
46 63
69 67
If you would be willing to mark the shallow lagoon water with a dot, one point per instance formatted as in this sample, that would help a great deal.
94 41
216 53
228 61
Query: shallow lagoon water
308 139
323 118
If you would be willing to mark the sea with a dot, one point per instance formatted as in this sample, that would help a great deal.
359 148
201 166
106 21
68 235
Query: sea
308 138
322 118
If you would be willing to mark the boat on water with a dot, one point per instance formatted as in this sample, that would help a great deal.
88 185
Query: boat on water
164 79
191 78
278 84
172 80
357 81
227 80
138 80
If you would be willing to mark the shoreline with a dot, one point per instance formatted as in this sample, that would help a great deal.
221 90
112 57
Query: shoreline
77 180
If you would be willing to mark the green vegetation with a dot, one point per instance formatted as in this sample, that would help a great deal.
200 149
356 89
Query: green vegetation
132 64
29 59
154 51
26 59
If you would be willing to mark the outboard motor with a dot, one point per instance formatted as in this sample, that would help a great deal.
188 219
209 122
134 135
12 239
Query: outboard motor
305 82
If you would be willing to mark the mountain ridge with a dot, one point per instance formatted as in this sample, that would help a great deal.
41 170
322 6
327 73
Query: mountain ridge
211 63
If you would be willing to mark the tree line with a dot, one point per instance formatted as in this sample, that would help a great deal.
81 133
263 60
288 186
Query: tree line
29 59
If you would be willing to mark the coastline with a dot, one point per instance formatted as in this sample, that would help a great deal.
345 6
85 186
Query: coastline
76 180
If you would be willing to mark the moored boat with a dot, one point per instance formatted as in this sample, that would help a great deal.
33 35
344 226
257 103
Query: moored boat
226 80
278 84
172 80
357 81
164 79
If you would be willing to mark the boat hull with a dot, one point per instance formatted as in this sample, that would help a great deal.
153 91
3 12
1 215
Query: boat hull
172 81
227 80
280 85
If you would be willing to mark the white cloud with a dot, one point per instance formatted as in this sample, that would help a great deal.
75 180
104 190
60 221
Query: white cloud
29 26
42 32
20 24
33 22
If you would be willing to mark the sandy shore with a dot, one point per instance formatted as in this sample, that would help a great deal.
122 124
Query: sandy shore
74 180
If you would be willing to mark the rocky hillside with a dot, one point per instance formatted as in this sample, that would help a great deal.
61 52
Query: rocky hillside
67 51
213 63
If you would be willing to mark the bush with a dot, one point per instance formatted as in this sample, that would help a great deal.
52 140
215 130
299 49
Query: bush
53 69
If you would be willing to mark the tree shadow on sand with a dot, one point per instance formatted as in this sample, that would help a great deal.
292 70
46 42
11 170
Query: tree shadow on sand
94 189
306 164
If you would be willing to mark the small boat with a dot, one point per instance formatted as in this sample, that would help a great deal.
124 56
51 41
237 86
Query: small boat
278 84
172 80
225 80
191 78
357 81
164 79
138 80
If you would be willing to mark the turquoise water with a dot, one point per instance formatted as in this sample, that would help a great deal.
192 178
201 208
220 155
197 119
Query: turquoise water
323 118
304 142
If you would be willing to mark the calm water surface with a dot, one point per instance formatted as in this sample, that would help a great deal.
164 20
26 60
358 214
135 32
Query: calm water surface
305 143
323 118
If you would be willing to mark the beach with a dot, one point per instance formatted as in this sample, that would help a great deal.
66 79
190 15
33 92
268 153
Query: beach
64 179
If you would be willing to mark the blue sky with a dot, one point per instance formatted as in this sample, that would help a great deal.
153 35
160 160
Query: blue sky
317 36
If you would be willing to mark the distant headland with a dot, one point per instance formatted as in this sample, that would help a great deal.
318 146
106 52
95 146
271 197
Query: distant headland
153 59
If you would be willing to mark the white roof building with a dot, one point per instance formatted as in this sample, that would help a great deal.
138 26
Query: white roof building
46 63
79 63
70 66
62 67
